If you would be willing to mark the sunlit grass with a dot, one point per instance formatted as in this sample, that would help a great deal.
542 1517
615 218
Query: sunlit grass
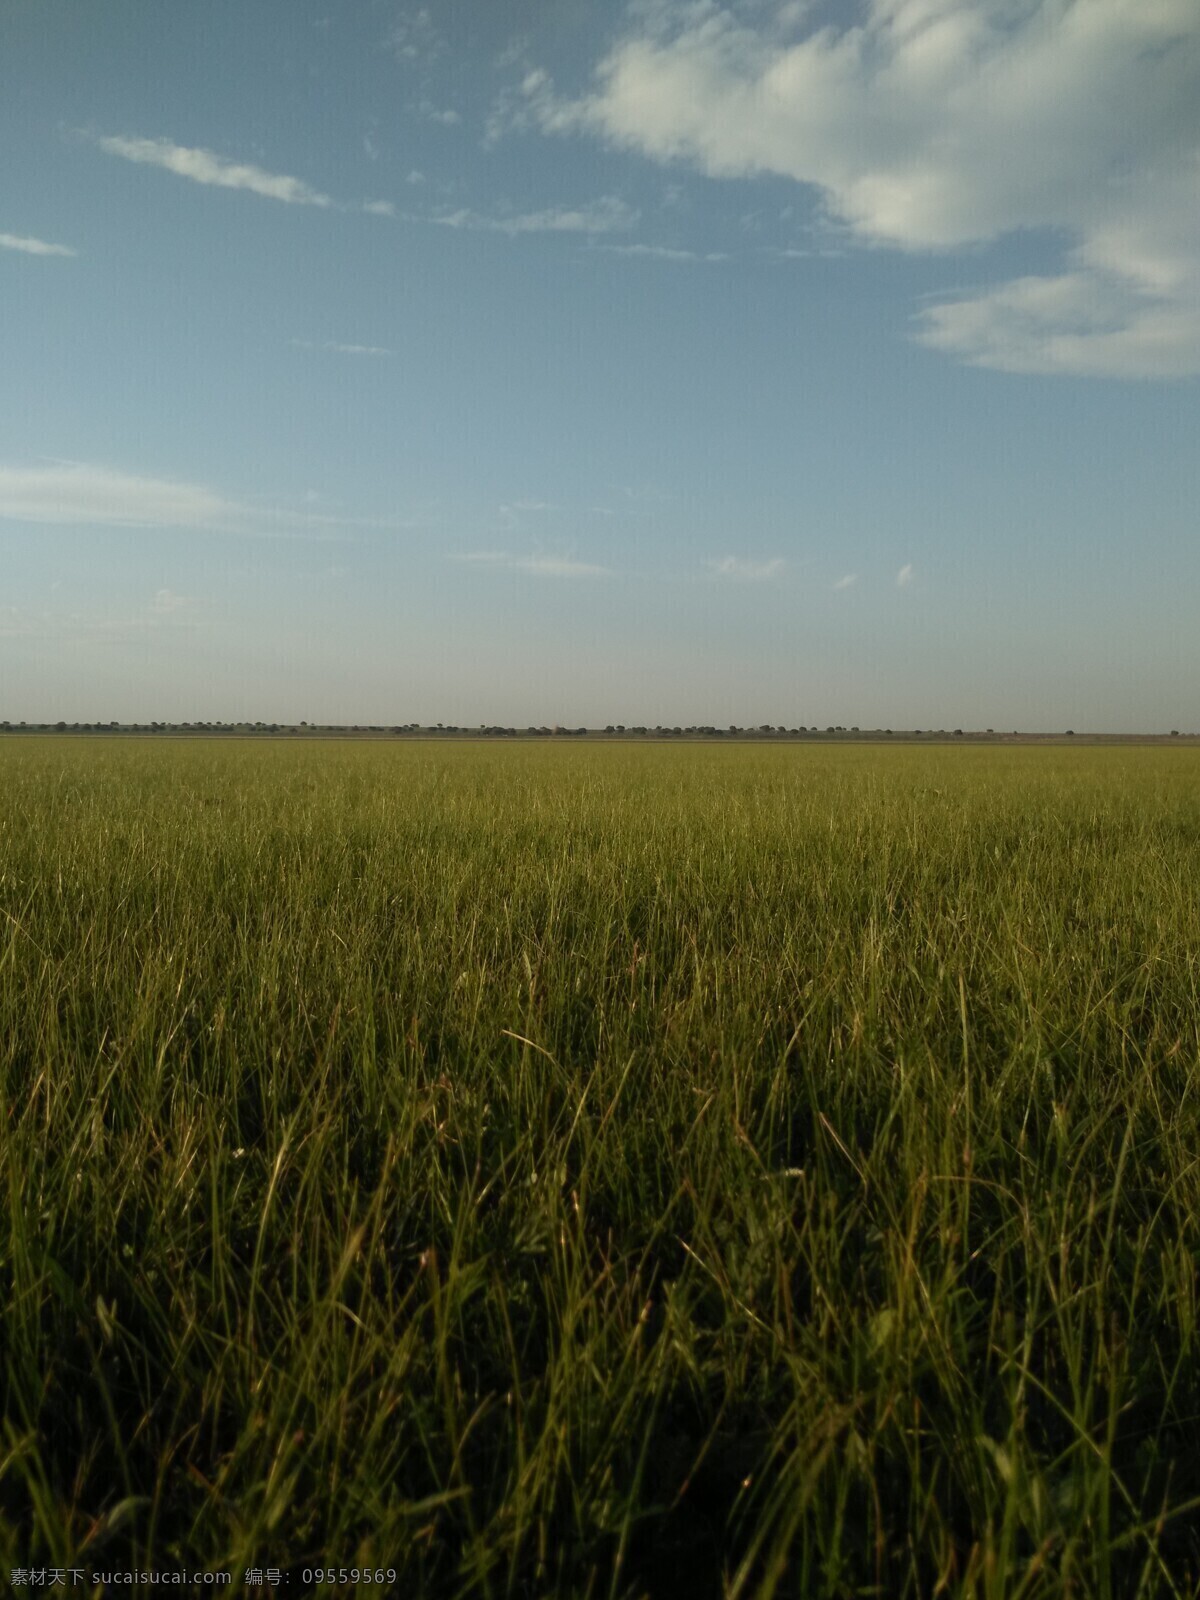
612 1170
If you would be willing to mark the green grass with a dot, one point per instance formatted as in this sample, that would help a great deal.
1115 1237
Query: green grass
608 1170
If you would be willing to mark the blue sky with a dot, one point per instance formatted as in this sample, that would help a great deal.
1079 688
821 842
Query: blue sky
501 361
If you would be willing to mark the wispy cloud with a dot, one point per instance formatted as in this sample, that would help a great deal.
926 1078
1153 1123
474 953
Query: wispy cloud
203 166
746 570
542 566
644 493
609 214
414 37
528 505
560 567
33 247
662 252
905 576
446 115
802 253
335 347
847 582
206 167
83 495
75 494
166 610
17 622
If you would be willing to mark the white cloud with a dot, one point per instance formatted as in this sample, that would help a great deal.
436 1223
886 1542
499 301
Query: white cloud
543 566
739 567
85 627
33 247
202 166
74 494
1088 322
414 36
78 494
943 124
609 214
662 252
446 115
905 576
560 567
335 347
18 623
645 492
802 253
847 582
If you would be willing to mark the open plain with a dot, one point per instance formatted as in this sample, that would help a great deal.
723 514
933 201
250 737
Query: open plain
609 1169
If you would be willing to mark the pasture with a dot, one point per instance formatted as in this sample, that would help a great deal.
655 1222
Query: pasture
610 1170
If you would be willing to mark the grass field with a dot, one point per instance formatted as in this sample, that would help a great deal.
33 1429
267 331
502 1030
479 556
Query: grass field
603 1170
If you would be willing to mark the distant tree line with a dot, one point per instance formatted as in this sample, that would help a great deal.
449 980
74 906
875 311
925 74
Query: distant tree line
618 730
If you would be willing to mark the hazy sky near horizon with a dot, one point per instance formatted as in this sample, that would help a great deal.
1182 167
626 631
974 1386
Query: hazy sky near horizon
802 361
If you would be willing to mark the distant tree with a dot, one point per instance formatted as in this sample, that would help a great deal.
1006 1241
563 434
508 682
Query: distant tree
60 727
1174 733
958 733
1070 733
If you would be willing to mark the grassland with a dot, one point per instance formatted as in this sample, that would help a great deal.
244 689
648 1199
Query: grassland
603 1169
